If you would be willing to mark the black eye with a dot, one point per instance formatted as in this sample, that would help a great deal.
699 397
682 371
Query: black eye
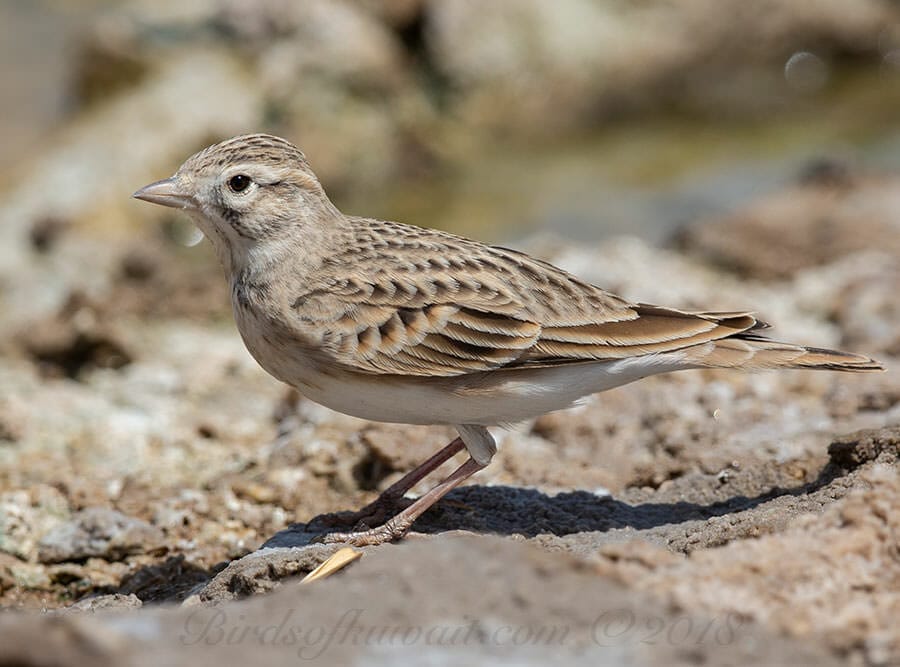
239 183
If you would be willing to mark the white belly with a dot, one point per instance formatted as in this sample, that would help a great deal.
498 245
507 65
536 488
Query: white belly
485 398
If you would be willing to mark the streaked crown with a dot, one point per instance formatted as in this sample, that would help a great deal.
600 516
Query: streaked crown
258 148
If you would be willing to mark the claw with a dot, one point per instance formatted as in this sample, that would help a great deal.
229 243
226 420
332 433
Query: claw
366 538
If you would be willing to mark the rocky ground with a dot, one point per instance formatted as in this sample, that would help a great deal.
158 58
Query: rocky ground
159 492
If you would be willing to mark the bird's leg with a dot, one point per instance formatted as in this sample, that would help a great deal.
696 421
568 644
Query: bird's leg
481 447
397 525
413 477
374 512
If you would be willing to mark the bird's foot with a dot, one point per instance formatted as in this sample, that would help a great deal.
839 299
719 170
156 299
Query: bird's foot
386 532
398 524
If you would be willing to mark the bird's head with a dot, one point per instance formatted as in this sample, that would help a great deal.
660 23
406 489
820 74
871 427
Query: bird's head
246 194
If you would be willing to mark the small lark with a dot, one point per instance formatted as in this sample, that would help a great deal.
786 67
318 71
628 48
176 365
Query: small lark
395 323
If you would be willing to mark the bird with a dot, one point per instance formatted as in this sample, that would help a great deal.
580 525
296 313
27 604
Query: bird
396 323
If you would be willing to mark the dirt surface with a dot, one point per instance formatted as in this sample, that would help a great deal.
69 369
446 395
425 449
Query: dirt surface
456 599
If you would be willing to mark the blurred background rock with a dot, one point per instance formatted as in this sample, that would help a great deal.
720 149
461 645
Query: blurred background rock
585 116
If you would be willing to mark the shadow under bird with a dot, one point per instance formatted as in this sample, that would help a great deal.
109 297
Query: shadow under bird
396 323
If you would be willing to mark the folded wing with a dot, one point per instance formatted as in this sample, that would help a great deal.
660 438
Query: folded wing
427 304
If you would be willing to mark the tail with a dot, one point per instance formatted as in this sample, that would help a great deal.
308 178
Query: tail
751 351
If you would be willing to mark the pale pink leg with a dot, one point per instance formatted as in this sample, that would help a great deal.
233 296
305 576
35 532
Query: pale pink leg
398 525
375 511
413 477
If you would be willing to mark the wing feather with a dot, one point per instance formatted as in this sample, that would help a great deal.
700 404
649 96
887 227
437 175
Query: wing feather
421 302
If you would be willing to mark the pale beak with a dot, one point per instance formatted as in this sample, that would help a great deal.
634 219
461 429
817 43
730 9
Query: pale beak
165 193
